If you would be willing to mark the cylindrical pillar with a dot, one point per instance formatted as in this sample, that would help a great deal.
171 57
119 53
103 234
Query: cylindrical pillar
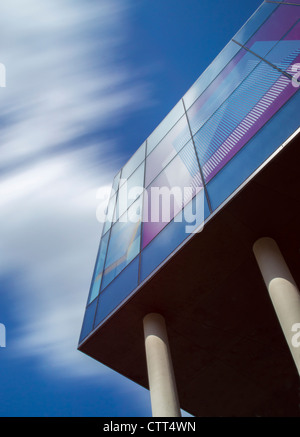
282 289
163 391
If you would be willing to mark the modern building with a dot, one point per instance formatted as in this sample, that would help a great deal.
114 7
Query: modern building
199 300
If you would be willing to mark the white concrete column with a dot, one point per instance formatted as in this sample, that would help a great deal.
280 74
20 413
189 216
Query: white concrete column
163 392
283 291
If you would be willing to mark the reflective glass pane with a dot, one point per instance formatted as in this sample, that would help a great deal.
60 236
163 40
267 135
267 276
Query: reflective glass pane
171 144
110 213
124 243
115 184
210 73
88 321
255 23
249 158
129 190
96 282
117 291
174 233
286 53
134 162
163 128
273 29
221 88
292 1
170 191
241 116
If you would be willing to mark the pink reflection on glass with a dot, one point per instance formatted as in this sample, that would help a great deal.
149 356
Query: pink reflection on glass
170 192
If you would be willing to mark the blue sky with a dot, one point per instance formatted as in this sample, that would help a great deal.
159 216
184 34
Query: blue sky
87 82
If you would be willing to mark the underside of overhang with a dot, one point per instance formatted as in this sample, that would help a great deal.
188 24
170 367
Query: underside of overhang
229 354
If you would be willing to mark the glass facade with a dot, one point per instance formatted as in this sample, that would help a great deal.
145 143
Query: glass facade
124 242
173 188
234 117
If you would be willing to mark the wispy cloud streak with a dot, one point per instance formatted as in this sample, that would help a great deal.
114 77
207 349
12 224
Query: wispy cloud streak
65 87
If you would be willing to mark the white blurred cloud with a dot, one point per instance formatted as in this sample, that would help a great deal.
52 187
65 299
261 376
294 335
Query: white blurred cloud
63 83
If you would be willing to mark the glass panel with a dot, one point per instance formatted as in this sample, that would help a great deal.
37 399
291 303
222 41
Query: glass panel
274 29
163 128
174 234
170 191
124 243
255 23
286 54
210 73
110 214
134 162
118 290
275 132
240 117
171 144
234 73
88 321
97 276
129 190
115 184
292 1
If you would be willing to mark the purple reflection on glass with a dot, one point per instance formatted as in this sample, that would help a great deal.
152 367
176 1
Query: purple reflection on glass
282 19
259 96
241 65
294 33
265 108
170 192
284 54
